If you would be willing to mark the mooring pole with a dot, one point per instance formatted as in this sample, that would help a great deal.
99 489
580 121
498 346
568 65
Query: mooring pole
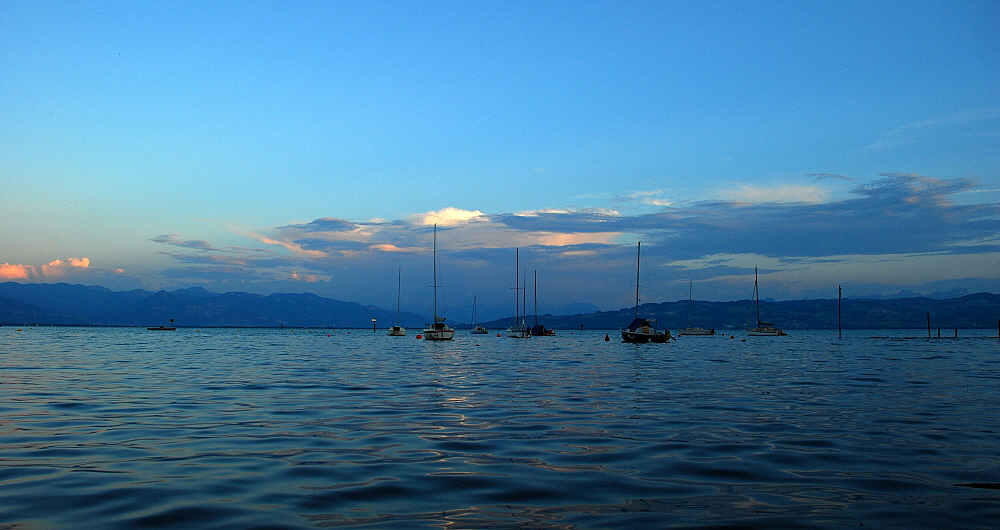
840 332
928 324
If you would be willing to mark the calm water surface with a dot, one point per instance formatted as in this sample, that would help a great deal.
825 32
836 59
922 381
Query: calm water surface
226 428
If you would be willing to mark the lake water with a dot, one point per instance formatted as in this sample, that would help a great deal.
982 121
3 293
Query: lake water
226 428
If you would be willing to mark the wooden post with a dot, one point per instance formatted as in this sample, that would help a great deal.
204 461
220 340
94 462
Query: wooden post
928 324
840 332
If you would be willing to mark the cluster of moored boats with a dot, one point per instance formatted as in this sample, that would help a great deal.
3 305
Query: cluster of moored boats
438 330
639 331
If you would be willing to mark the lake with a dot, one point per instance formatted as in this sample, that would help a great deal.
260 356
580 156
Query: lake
269 428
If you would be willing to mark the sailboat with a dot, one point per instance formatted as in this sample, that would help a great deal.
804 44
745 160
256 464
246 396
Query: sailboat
476 328
763 329
640 331
539 330
164 328
398 330
518 330
438 330
690 330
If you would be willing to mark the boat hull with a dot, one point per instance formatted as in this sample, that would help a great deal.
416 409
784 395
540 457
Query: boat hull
519 332
695 331
439 334
397 331
765 332
639 337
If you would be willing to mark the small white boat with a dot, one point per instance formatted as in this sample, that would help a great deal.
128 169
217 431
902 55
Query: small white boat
164 328
695 331
438 330
763 329
476 328
398 330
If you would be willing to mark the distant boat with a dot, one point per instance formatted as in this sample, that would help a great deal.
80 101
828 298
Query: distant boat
438 330
693 330
640 331
519 330
163 328
476 328
539 330
398 330
763 329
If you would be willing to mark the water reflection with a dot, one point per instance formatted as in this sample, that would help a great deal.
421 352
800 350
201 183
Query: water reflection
272 428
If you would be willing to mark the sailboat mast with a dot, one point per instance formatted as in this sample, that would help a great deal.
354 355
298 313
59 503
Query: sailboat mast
690 291
536 297
435 254
756 293
399 288
524 297
517 267
638 249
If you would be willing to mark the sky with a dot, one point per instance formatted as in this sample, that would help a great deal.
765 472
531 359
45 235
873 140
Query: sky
312 146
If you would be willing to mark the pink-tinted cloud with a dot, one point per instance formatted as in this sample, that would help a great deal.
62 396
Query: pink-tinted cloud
54 269
11 271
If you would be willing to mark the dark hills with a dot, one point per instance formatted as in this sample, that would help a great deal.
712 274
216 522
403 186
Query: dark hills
972 311
65 304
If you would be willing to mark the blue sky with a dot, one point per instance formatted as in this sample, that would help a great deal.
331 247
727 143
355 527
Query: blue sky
309 146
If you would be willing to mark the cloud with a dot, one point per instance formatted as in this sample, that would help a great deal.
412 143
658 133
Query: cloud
777 194
308 278
52 270
652 198
925 130
175 240
449 216
327 224
825 176
894 218
13 271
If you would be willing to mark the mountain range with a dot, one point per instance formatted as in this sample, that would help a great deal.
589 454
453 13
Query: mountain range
66 304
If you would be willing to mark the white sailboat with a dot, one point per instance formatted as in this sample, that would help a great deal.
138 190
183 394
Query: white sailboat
476 328
398 330
763 329
438 330
695 331
519 330
640 331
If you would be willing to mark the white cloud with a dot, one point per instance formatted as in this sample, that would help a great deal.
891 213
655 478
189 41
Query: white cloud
924 129
449 216
775 194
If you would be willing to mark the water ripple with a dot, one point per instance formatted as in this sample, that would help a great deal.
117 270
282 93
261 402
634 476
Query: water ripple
276 429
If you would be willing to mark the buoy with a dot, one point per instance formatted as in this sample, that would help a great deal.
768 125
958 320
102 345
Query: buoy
420 336
606 337
497 334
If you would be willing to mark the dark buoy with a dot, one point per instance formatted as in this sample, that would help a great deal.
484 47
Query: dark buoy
606 337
